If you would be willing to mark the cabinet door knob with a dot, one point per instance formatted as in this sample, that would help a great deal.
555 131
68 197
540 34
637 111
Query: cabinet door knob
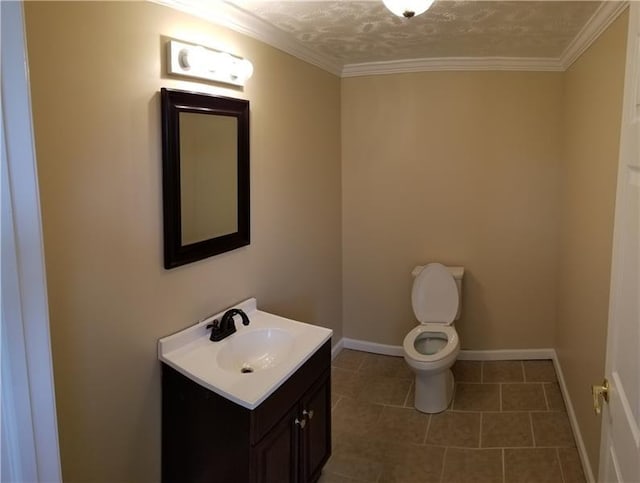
302 423
309 413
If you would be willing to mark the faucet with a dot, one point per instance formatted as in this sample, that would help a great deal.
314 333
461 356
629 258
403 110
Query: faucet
226 326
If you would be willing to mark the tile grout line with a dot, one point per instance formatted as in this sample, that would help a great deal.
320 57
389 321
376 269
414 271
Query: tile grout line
379 476
491 448
504 472
560 464
524 373
444 462
480 435
546 399
406 398
533 434
500 393
481 372
453 396
426 433
476 383
495 410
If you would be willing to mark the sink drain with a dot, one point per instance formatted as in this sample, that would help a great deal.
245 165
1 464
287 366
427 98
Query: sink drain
246 370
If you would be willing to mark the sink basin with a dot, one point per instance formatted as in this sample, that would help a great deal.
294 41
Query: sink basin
255 350
250 364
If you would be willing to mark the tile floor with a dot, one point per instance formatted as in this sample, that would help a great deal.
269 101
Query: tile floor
506 424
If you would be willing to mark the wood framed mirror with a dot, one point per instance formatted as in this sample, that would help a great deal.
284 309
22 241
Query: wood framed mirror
205 175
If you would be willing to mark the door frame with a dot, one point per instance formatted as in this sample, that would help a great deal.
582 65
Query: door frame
30 450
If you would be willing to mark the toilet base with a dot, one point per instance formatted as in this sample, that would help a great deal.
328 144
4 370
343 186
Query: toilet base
433 391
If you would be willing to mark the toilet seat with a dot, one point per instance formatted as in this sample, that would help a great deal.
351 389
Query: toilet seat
450 348
434 295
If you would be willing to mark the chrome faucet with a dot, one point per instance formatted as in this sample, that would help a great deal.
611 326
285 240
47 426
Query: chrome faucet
226 326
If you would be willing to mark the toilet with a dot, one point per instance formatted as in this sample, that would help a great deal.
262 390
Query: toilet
431 348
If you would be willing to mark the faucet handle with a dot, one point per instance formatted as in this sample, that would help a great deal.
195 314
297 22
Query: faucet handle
214 325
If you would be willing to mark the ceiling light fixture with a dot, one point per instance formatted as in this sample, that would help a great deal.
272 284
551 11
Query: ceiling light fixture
407 8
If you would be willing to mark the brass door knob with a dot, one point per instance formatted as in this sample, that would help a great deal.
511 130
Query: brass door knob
599 393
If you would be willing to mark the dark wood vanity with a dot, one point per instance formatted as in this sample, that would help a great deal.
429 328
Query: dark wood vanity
207 438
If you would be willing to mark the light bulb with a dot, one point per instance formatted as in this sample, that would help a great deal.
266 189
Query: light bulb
196 58
245 69
183 59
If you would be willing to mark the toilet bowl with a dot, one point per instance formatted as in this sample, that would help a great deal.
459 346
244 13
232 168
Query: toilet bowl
431 348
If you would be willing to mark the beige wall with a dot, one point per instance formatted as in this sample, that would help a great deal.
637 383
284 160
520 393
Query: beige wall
461 168
95 76
592 113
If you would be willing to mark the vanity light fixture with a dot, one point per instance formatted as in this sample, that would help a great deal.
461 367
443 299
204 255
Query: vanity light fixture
205 63
407 8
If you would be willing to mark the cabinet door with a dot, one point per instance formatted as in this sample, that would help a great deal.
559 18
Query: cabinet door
276 456
316 444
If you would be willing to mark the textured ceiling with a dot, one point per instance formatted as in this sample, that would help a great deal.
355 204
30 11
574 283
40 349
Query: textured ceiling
353 32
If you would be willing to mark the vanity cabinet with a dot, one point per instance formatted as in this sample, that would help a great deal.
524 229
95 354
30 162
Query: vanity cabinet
298 446
207 438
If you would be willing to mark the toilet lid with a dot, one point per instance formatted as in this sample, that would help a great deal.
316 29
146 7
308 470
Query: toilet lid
435 295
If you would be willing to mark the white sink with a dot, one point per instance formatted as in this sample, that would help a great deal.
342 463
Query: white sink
255 349
249 365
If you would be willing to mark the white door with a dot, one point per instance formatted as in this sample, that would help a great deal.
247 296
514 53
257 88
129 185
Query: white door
620 448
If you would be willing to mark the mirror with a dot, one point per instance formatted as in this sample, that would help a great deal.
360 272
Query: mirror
205 156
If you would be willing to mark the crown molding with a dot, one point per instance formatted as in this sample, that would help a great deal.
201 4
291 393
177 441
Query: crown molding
451 63
235 18
606 13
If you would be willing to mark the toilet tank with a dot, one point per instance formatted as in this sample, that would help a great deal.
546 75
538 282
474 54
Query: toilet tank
457 273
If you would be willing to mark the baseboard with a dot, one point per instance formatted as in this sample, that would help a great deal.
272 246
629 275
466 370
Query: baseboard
366 346
335 350
506 354
582 450
491 355
465 355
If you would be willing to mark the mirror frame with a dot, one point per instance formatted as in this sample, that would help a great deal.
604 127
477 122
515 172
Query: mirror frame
173 103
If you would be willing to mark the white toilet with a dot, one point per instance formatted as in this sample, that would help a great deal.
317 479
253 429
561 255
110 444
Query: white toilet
431 348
